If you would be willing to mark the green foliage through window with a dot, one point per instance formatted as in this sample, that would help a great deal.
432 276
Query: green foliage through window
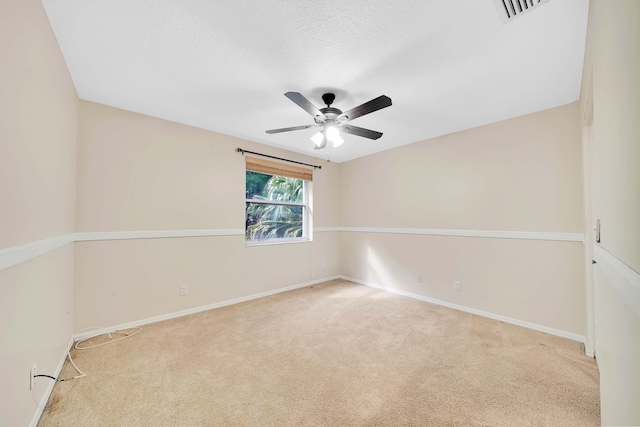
275 207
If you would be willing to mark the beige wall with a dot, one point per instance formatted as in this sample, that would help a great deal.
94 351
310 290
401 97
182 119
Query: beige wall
137 173
611 98
617 353
538 282
36 315
613 60
123 281
38 123
522 174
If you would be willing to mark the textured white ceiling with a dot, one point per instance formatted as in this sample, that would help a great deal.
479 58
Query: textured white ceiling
448 65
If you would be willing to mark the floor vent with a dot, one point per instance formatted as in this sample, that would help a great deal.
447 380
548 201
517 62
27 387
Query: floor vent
511 9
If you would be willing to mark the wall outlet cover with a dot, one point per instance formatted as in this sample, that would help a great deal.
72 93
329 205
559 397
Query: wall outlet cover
32 376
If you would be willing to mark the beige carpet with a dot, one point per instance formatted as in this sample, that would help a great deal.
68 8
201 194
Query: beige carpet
335 354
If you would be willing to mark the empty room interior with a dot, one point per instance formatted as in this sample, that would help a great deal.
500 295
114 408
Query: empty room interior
157 171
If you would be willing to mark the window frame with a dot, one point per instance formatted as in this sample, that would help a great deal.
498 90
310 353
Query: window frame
305 205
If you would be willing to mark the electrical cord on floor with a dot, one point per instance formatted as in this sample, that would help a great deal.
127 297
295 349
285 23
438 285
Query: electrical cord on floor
78 347
82 374
126 335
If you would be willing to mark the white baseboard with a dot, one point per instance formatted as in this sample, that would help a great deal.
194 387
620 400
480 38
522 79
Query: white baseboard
535 327
142 322
49 390
588 351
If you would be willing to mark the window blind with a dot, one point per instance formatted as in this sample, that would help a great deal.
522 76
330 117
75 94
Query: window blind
274 168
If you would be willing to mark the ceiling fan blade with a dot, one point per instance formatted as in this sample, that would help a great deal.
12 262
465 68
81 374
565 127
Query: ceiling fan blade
376 104
291 128
355 130
304 103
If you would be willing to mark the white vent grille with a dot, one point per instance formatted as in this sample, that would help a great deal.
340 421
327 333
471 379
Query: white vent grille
511 9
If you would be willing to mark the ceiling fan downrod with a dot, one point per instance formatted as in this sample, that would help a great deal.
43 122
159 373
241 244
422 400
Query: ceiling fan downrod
328 98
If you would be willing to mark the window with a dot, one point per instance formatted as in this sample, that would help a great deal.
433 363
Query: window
276 199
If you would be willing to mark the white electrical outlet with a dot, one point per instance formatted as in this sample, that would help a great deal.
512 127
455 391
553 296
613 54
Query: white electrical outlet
32 377
184 290
419 278
456 286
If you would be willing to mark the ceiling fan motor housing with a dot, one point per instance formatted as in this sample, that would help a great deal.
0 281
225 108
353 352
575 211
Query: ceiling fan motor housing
329 112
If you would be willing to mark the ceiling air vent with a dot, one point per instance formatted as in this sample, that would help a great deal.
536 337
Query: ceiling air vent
511 9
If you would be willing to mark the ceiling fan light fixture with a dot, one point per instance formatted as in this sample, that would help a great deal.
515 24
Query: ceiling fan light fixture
337 141
317 139
332 133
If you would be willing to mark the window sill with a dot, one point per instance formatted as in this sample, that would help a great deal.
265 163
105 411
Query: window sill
269 242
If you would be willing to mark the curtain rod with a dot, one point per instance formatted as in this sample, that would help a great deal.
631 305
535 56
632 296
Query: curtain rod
240 150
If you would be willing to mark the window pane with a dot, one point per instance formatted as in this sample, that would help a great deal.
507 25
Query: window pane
255 183
273 187
267 221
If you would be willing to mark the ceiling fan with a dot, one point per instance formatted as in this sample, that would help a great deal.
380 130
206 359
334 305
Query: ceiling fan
332 120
